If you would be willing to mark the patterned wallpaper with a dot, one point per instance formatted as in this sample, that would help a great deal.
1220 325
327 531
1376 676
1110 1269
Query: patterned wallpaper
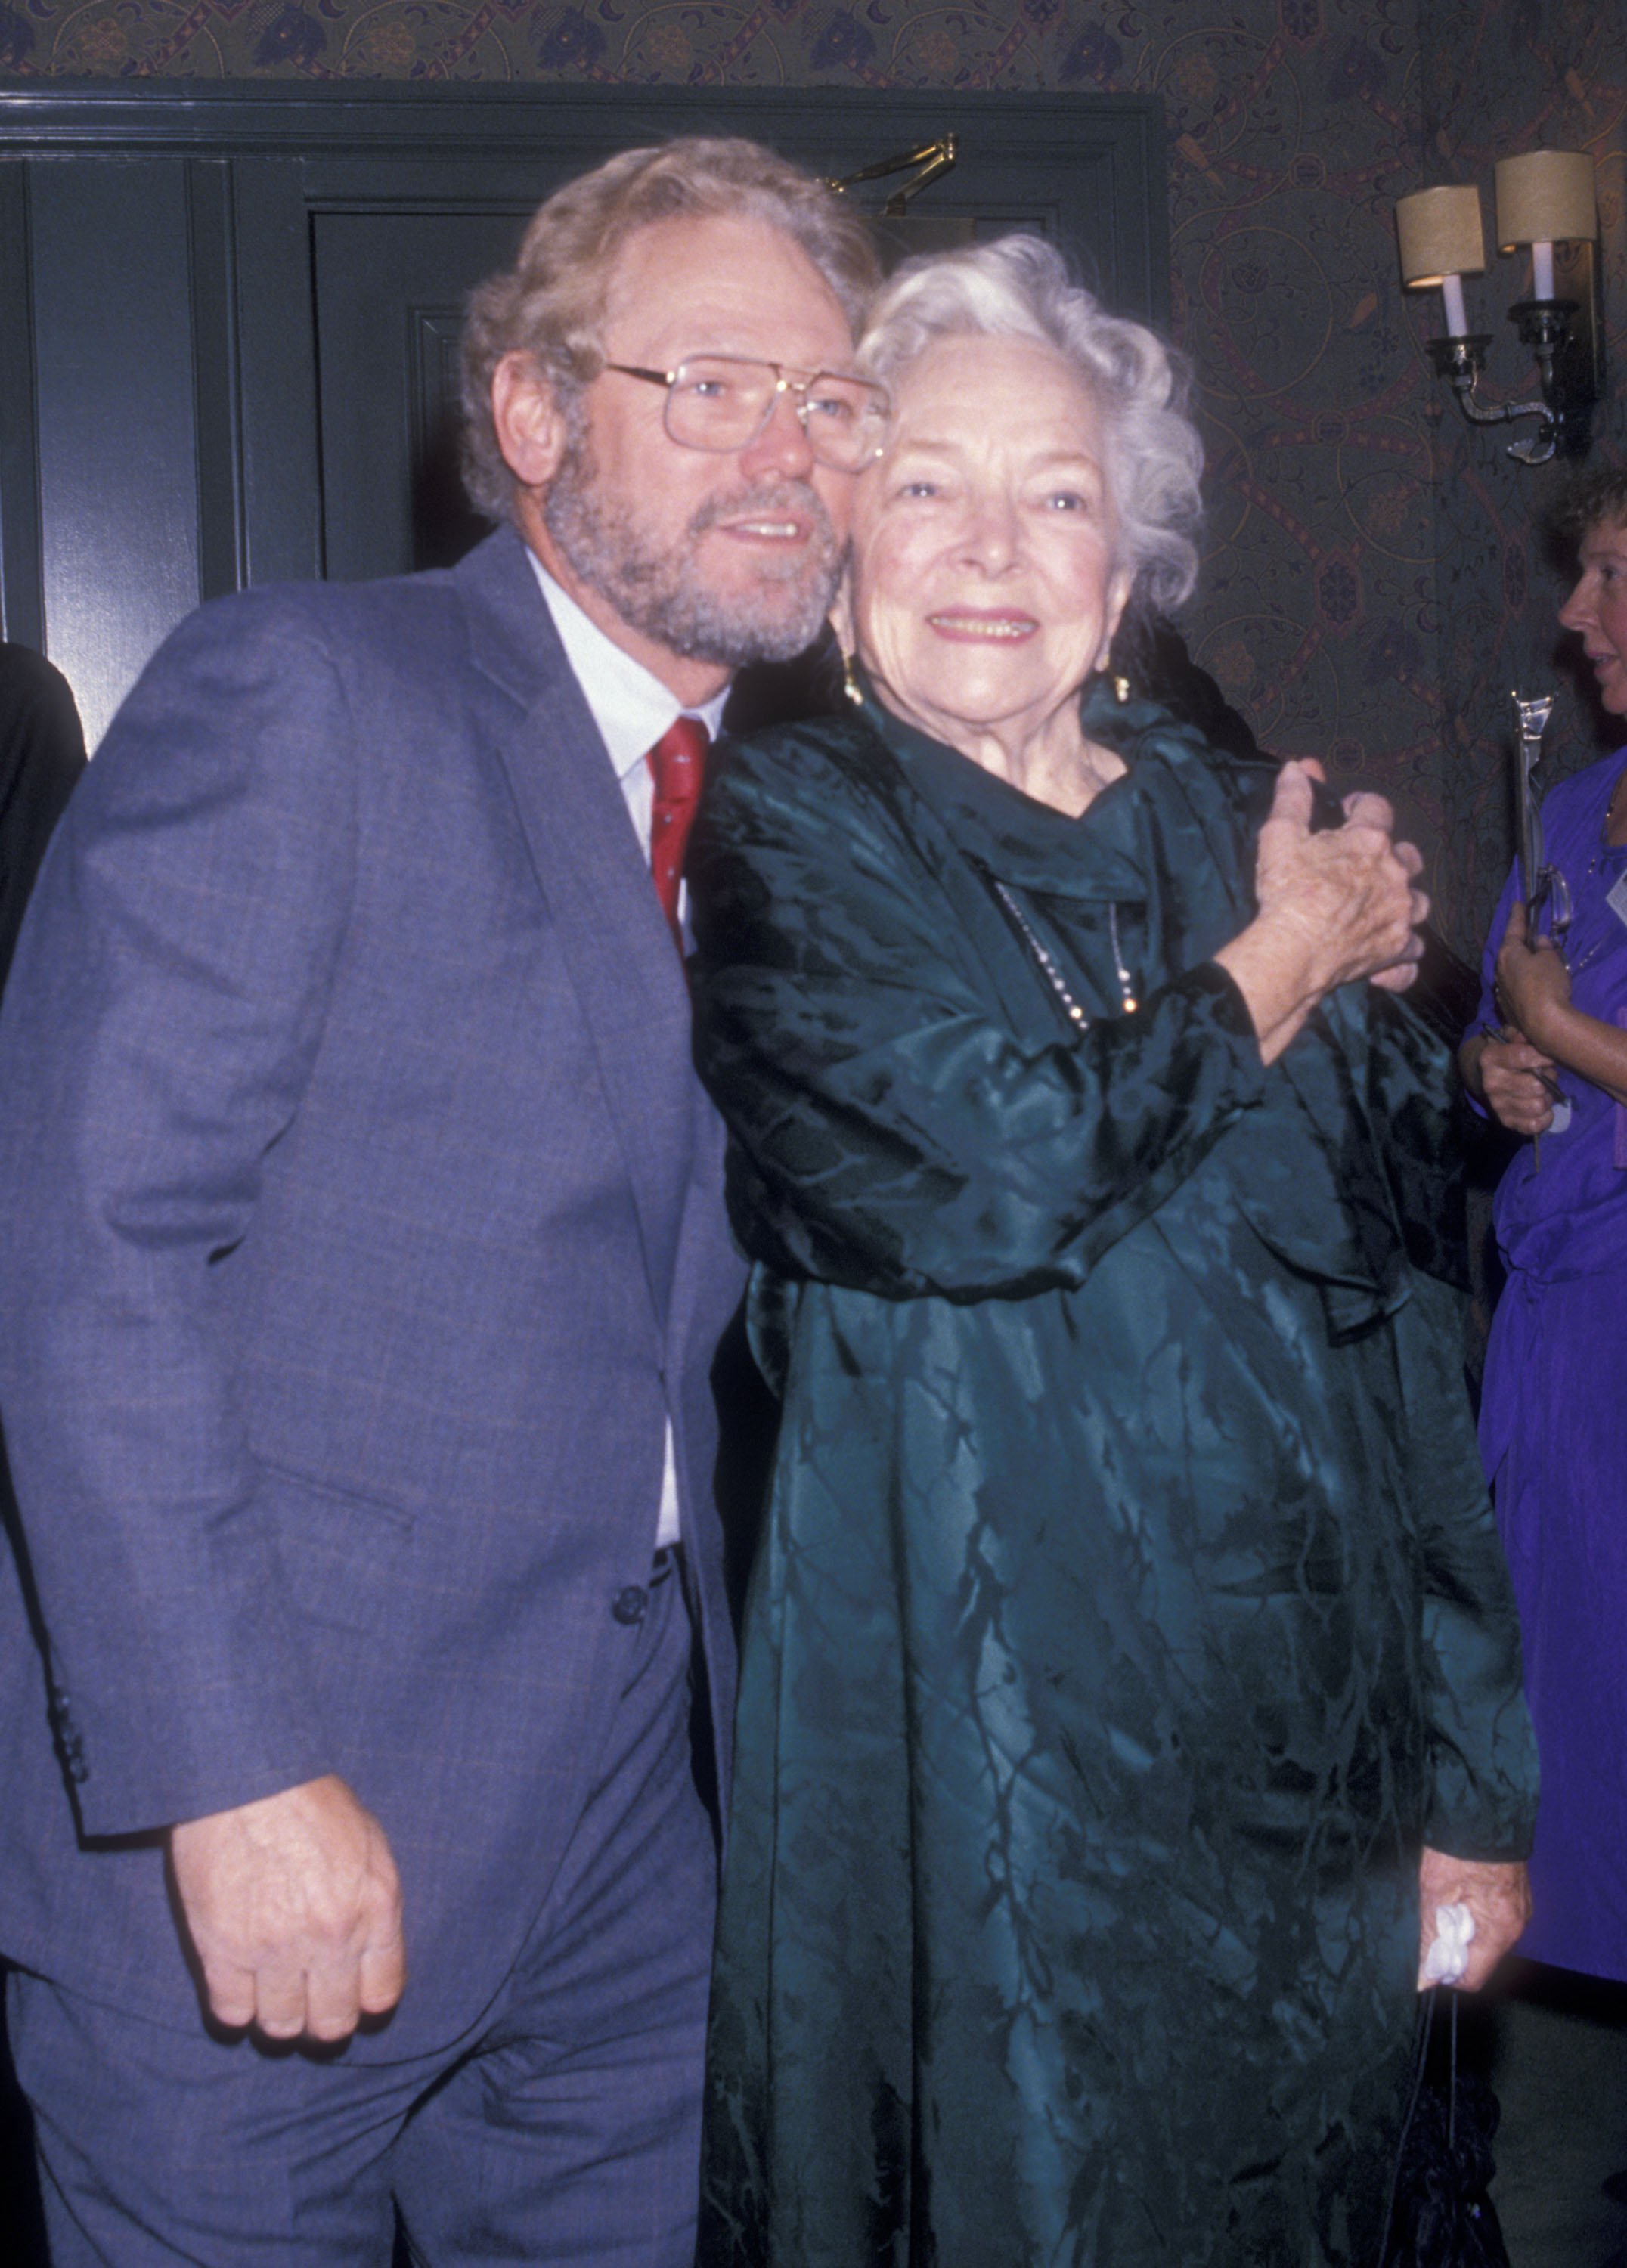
1372 583
1502 76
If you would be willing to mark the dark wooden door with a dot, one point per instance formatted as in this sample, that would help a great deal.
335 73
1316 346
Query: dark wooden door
228 317
390 289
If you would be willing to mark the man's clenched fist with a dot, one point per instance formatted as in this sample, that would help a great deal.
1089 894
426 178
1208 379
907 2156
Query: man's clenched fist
294 1909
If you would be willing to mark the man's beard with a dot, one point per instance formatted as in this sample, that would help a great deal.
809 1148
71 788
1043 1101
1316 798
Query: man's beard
665 595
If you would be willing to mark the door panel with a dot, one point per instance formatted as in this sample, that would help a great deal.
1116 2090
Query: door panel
275 391
117 470
390 289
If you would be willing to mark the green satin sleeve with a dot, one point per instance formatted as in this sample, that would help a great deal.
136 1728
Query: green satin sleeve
1483 1766
897 1128
1416 1099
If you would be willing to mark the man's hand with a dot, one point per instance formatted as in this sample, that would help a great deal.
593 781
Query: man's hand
294 1909
1498 1895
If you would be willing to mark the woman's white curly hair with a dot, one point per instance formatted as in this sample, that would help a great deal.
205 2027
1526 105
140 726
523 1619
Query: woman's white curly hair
1019 287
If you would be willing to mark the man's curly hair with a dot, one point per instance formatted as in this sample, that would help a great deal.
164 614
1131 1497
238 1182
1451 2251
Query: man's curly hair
551 304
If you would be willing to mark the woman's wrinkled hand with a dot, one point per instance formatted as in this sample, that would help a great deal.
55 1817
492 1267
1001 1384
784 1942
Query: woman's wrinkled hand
1375 810
1334 906
1532 979
1497 1893
1346 897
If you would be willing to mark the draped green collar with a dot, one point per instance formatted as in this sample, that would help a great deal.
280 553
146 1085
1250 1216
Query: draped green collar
1173 828
1176 834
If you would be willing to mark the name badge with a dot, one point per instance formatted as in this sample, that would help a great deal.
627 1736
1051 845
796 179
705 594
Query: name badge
1617 901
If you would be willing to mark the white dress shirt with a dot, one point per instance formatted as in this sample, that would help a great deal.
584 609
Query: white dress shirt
632 708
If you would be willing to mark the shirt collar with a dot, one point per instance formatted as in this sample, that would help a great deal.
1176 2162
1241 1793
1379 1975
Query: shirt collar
630 704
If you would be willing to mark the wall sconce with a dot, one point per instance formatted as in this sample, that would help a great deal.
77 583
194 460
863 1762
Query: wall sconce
1544 199
898 229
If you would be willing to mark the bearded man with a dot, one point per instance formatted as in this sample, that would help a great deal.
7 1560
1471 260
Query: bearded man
365 1261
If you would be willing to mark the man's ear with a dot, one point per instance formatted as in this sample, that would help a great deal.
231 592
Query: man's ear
529 424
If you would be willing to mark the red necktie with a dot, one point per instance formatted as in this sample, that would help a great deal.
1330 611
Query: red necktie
677 763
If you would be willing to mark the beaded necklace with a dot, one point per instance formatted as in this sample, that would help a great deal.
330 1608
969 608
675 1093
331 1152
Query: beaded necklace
1074 1010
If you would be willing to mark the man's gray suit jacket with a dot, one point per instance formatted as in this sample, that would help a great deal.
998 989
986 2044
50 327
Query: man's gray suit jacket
360 1229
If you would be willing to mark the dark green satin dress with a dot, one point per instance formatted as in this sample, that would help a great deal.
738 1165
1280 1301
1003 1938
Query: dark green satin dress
1129 1610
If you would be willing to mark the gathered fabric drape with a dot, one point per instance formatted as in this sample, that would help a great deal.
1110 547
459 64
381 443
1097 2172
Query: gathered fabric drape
1129 1610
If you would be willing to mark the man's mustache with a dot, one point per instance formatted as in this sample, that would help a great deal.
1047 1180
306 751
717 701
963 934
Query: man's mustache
795 499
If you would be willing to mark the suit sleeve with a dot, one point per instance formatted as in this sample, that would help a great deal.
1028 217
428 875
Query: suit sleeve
159 1028
891 1132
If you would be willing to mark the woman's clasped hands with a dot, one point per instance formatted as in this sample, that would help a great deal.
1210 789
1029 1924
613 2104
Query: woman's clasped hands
1336 904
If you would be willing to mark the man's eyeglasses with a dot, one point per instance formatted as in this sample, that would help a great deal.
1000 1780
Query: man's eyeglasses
721 402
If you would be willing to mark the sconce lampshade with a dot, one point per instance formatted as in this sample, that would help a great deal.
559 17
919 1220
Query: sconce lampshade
1545 197
1440 234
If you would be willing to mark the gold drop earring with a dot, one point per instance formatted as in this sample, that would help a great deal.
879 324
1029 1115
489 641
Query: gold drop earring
849 683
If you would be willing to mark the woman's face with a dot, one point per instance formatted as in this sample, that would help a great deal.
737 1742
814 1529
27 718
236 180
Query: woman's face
1598 608
983 592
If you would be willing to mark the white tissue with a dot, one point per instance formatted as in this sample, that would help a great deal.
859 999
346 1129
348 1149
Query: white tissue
1449 1957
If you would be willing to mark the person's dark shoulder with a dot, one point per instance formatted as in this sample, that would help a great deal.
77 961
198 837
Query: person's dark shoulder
41 754
25 675
1174 765
41 761
1152 660
35 697
1151 665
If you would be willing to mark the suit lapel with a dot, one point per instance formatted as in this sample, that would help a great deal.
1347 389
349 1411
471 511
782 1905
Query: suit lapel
612 933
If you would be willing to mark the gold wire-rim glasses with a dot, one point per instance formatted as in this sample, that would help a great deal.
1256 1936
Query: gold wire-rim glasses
711 421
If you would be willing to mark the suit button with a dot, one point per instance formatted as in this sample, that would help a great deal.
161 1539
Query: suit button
629 1605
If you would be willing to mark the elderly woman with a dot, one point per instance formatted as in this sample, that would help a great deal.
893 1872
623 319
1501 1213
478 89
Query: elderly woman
1130 1624
1554 1417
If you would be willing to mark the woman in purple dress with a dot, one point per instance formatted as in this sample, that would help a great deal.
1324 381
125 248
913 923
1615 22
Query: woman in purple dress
1553 1023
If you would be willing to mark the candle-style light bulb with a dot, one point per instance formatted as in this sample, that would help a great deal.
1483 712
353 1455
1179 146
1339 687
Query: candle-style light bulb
1543 198
1441 242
